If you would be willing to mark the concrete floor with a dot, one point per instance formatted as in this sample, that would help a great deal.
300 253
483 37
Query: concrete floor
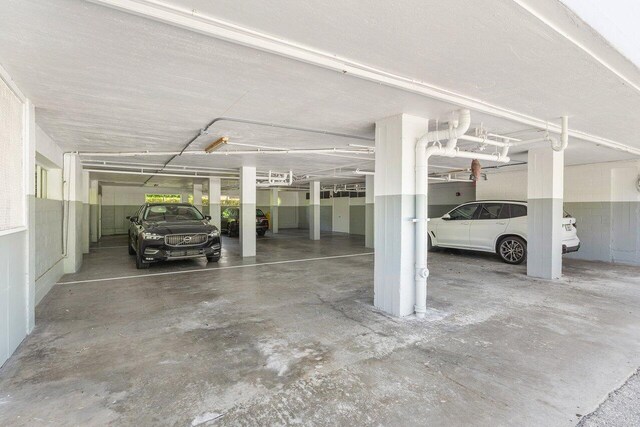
300 342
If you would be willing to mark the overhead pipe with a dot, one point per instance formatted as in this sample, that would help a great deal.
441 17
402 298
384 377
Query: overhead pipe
423 153
152 174
556 145
224 153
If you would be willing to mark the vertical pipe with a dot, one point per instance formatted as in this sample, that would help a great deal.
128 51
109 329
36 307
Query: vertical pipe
421 233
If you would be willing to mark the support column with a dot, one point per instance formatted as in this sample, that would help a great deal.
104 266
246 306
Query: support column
214 201
314 210
248 211
73 213
197 196
273 203
545 182
394 211
93 210
368 211
86 214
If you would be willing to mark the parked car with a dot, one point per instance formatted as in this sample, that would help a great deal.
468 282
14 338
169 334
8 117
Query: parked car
230 221
493 226
167 231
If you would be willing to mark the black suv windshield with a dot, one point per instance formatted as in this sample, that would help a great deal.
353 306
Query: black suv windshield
259 213
172 213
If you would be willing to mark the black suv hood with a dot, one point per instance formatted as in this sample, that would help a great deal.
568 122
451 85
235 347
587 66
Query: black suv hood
178 227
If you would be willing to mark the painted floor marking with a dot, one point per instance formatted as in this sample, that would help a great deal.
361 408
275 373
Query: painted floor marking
203 270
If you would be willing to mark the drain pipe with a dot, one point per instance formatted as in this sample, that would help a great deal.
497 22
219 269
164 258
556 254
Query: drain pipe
423 153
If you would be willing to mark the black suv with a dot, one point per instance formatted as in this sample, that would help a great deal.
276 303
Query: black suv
170 231
230 221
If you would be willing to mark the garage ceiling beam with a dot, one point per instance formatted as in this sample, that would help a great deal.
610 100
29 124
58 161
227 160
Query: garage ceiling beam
213 27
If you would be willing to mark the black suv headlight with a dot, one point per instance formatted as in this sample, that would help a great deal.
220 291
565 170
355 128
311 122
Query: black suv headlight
214 233
152 236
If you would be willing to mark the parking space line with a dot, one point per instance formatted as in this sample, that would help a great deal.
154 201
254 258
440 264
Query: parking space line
202 270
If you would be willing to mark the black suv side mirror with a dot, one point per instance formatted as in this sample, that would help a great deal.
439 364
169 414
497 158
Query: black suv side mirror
132 218
207 217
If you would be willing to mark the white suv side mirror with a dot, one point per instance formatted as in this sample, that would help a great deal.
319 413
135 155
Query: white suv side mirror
446 216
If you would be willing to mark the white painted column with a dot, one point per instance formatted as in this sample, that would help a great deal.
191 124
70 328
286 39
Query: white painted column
369 200
314 210
273 203
214 201
197 196
545 182
86 214
93 210
394 211
30 213
248 211
73 213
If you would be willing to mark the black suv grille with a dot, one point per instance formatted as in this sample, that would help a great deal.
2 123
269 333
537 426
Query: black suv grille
185 239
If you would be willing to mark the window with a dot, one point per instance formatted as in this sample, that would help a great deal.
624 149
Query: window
12 168
463 212
41 182
490 211
518 211
162 198
170 212
259 212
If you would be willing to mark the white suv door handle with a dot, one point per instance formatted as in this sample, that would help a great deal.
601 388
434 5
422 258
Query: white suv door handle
502 222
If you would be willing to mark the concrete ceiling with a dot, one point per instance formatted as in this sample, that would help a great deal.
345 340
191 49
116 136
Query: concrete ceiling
106 80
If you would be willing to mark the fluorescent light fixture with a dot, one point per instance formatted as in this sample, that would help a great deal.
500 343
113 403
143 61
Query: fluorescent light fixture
217 144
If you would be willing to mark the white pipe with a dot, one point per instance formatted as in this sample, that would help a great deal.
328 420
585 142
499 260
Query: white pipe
159 174
225 153
555 144
112 163
423 153
487 141
153 169
360 172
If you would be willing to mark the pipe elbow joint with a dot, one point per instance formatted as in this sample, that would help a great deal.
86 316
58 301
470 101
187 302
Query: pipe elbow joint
422 273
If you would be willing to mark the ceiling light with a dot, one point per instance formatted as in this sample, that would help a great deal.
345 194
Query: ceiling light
216 144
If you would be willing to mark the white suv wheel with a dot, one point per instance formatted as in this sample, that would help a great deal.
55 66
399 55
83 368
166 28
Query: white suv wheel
512 250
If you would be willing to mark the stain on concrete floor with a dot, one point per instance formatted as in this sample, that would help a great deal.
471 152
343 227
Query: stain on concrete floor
301 343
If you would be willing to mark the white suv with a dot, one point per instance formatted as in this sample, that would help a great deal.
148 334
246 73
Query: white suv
493 226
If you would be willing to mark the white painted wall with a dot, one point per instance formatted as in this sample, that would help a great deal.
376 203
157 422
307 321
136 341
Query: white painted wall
17 239
582 183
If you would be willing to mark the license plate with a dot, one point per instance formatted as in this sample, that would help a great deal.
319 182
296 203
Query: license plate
568 227
185 253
